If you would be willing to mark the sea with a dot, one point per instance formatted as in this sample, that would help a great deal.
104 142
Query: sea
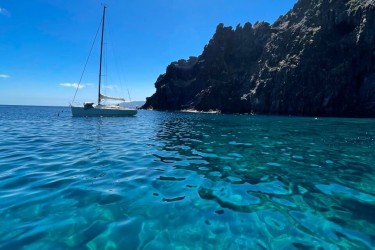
175 180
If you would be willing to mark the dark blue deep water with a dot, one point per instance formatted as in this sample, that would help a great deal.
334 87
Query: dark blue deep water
185 181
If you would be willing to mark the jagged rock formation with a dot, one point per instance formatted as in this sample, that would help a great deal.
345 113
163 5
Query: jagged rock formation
318 59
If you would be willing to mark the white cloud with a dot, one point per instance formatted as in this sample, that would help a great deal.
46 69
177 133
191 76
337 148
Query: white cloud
4 76
4 12
72 85
110 87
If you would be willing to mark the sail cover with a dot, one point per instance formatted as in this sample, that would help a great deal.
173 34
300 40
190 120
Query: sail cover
111 98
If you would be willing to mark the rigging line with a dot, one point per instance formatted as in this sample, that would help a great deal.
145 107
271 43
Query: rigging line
129 95
106 81
118 66
87 60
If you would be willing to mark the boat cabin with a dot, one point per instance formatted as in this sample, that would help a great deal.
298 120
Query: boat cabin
88 105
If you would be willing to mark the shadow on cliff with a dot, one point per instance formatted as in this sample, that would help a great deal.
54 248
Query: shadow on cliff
317 60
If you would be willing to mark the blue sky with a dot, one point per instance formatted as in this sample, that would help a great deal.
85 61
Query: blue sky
44 43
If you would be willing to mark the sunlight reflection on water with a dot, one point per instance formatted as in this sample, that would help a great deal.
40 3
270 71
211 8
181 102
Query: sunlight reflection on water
175 180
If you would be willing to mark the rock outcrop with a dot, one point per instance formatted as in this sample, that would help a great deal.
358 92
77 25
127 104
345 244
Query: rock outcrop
318 59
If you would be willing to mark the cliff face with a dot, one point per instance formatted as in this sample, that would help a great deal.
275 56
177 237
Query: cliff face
318 59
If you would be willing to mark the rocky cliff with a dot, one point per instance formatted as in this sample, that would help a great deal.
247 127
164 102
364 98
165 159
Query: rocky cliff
318 59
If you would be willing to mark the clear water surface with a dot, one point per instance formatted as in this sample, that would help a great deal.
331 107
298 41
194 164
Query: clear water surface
185 181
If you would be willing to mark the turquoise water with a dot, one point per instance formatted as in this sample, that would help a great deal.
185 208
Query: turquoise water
185 181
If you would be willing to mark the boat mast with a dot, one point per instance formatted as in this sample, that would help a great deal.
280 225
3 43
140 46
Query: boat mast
101 54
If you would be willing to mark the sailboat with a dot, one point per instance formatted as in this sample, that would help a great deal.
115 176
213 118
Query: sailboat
89 108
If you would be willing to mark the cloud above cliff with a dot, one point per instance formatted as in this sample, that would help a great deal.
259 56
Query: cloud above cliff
4 12
4 76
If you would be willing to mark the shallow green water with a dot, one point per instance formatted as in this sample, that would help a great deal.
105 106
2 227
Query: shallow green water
185 181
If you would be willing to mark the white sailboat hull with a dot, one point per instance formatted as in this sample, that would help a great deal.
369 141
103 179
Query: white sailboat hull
98 111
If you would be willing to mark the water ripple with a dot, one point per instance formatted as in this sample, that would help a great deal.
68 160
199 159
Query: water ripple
181 180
